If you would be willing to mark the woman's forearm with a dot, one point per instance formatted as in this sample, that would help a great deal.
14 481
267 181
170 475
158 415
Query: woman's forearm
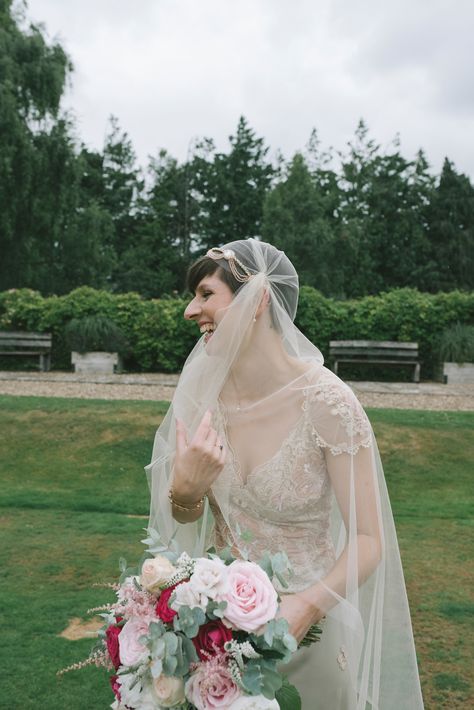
368 558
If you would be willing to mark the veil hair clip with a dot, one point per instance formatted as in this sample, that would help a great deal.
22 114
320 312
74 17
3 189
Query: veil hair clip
229 255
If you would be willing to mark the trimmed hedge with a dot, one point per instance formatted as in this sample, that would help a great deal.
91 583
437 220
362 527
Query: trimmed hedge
160 338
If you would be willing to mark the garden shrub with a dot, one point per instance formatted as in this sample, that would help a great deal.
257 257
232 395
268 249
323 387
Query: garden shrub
160 338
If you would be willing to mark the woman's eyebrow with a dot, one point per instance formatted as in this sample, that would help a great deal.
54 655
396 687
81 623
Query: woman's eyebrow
204 287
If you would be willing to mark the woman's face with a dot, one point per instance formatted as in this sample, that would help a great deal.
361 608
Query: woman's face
208 306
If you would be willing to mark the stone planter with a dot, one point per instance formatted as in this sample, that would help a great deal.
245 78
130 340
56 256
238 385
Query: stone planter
97 362
455 373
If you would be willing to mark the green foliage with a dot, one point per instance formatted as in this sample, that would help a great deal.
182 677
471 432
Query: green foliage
261 677
232 188
298 218
456 343
189 620
94 333
288 697
172 654
160 338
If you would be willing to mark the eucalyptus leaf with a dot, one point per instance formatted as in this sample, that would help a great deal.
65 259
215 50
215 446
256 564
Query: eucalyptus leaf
266 564
156 629
170 663
171 642
261 676
156 668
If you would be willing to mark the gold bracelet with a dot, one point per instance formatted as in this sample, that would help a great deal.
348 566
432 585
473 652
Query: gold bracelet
187 508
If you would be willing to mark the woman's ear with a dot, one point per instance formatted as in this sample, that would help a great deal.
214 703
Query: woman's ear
263 303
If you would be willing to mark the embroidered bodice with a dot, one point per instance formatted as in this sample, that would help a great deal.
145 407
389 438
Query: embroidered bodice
284 503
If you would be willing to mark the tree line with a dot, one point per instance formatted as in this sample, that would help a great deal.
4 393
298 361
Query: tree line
355 221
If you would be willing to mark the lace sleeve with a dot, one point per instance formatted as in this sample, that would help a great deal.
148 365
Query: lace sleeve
339 422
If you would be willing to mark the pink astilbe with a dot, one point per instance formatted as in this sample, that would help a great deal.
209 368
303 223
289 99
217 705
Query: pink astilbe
133 602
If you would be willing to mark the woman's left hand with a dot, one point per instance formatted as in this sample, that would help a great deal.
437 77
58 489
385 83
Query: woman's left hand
299 614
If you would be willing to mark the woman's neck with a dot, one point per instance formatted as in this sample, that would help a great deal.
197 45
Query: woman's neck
262 367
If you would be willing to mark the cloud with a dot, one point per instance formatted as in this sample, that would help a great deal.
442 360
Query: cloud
175 69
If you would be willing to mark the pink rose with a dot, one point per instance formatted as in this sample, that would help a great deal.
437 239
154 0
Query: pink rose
211 639
251 599
211 686
131 650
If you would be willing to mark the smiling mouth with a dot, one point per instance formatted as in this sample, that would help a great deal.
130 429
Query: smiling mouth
207 330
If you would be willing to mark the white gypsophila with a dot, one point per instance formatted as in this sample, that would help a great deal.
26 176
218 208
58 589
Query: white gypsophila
209 579
254 702
184 595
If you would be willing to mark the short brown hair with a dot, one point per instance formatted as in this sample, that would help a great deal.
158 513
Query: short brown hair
205 266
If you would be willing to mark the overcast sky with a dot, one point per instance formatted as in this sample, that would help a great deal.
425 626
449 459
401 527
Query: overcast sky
172 70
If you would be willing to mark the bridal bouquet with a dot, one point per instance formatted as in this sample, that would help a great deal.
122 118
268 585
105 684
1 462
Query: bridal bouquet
197 633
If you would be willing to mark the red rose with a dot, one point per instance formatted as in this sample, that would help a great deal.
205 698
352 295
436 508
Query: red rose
115 686
211 639
112 634
162 607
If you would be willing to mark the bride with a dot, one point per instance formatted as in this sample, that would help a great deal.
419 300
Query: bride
264 449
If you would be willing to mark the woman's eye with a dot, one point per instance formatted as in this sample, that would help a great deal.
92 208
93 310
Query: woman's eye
206 294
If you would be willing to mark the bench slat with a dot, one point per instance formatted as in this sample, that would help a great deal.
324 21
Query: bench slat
374 353
23 334
18 343
373 344
381 361
23 352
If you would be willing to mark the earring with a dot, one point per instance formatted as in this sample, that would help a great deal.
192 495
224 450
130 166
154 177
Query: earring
254 320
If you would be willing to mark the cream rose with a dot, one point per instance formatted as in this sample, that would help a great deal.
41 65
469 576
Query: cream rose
184 595
169 691
156 572
251 598
209 579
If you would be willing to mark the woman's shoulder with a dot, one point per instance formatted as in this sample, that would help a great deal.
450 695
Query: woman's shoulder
337 417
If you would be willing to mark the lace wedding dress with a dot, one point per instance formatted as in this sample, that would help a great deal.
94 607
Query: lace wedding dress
282 499
302 475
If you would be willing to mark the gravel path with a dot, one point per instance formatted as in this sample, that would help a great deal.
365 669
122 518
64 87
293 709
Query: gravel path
154 387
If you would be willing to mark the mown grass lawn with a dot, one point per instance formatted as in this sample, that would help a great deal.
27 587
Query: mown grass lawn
73 494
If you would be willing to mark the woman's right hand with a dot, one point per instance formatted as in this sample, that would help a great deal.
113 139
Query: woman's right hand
198 463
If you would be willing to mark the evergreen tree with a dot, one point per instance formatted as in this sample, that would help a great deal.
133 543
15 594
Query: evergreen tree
232 188
155 262
32 78
296 220
451 230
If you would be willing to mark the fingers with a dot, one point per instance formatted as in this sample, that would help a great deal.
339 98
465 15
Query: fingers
211 439
203 428
181 437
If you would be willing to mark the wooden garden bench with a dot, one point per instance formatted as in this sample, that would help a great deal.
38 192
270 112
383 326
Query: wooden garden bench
386 352
22 343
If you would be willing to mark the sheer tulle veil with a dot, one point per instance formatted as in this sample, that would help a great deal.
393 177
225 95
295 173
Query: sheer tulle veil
371 611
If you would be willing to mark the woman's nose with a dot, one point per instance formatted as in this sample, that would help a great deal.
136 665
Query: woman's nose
192 310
